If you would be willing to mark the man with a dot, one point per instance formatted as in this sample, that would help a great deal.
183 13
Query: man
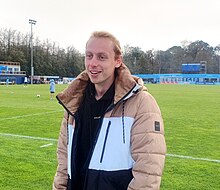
25 81
52 88
7 82
112 135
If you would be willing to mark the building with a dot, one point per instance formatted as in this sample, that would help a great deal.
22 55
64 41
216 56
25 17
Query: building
181 78
45 79
192 73
12 71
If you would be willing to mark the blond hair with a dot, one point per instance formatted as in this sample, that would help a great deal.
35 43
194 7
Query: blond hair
104 34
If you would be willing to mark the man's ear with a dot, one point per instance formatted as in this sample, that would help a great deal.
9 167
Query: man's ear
118 61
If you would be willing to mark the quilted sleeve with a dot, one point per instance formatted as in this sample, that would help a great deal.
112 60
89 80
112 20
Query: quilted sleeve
61 176
148 147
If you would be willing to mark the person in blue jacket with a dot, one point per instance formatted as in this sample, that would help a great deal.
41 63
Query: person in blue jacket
52 89
7 81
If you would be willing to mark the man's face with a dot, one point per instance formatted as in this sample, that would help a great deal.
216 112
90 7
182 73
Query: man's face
100 62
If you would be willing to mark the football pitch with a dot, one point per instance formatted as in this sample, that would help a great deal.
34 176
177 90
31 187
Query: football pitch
29 128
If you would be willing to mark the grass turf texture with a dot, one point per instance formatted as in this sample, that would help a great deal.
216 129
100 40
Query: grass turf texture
192 128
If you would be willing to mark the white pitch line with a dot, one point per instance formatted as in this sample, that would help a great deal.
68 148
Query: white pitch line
46 145
27 137
50 139
29 115
193 158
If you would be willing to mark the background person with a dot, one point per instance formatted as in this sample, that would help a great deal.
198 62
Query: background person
7 82
112 133
25 81
52 89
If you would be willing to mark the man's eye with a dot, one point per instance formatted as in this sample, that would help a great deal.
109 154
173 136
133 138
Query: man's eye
102 57
89 56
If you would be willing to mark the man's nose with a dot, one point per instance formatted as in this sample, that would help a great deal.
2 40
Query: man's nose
94 62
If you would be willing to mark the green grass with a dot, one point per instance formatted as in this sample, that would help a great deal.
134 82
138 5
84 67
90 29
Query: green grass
192 128
23 163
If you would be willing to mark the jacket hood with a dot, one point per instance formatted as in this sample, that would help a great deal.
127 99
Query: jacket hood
71 97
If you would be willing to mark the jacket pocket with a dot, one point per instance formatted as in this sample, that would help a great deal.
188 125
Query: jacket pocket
105 140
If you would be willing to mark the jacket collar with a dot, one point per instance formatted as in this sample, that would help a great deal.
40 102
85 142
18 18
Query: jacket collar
125 84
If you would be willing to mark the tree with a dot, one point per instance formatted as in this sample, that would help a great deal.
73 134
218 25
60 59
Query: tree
50 59
202 51
176 54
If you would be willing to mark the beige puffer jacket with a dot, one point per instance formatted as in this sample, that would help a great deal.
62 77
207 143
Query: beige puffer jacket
147 142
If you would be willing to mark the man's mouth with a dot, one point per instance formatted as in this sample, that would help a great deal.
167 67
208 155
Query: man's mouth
95 72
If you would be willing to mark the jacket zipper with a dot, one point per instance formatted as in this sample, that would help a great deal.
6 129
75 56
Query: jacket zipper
92 149
105 140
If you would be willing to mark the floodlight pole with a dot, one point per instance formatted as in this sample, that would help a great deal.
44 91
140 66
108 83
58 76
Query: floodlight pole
31 22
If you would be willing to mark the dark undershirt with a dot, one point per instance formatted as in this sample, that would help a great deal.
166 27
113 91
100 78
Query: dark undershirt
90 112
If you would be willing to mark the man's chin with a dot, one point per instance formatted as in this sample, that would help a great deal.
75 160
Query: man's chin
94 81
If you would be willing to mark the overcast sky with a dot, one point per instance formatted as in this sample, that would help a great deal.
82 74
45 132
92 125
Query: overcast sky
148 24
